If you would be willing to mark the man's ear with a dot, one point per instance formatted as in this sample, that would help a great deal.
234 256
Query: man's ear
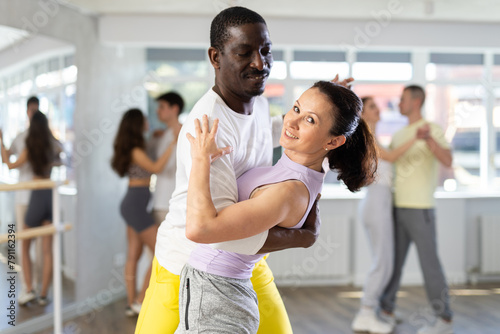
335 142
214 56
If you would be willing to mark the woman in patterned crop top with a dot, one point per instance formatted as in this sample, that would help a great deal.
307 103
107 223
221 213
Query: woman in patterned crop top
130 159
42 153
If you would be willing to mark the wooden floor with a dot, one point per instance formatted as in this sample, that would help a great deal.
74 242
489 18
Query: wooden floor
329 310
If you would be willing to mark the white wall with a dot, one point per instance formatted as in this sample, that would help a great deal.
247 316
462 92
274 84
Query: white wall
319 33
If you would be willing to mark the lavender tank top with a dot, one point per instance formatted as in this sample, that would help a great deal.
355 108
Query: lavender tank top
234 265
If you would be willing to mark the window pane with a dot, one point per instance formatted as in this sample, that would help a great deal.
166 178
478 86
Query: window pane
496 73
387 97
318 70
452 72
496 122
278 71
275 94
170 69
459 110
382 71
191 92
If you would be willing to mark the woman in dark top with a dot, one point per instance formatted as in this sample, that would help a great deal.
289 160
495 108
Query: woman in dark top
42 153
130 159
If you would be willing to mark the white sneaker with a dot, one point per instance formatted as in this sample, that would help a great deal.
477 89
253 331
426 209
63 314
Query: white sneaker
136 307
439 327
393 318
26 297
367 321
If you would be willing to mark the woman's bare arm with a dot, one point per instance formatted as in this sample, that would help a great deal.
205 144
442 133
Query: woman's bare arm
277 204
396 153
21 159
140 158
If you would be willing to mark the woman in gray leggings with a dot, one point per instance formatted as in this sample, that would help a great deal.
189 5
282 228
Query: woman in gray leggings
376 216
130 159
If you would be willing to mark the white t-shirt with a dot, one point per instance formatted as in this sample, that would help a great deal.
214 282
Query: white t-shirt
25 172
165 180
250 136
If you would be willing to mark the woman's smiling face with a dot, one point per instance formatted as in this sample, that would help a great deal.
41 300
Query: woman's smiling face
306 127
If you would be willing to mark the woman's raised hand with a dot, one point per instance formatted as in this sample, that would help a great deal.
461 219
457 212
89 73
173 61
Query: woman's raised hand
204 145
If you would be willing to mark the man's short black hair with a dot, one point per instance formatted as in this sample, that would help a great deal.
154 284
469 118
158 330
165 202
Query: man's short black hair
172 98
231 17
33 100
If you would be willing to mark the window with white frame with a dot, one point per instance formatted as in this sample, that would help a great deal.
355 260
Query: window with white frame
318 65
382 66
53 81
456 101
496 115
185 71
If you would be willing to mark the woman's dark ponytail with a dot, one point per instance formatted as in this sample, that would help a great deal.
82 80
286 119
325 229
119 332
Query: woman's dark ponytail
356 160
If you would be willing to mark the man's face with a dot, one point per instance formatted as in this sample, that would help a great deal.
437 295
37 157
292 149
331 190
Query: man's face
406 103
166 111
246 60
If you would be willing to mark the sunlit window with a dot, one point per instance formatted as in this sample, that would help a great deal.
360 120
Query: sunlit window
176 63
496 122
382 66
318 65
496 68
387 97
450 66
279 71
53 81
460 111
181 70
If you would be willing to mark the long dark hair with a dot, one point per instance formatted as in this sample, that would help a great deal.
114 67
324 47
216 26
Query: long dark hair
356 160
40 145
128 137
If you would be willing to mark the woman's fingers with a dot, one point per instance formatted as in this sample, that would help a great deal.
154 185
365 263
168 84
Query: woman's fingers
190 138
197 128
204 127
215 126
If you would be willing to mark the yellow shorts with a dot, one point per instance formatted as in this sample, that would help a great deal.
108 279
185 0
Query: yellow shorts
160 308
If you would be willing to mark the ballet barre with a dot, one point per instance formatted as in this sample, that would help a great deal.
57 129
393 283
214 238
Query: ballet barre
35 232
55 229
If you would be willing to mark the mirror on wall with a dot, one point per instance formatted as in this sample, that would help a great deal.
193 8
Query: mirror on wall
41 67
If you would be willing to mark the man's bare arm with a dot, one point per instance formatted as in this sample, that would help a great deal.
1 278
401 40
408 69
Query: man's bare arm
280 238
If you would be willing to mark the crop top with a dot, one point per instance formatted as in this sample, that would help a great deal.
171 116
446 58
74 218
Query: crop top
234 265
137 172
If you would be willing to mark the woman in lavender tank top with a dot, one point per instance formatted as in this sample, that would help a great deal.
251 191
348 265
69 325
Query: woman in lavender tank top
375 212
216 294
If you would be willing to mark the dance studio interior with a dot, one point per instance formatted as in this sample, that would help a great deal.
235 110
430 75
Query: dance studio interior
87 62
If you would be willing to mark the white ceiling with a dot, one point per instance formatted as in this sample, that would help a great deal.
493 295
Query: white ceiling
10 36
487 11
428 10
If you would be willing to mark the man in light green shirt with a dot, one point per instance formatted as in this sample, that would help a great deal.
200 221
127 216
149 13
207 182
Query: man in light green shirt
416 174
